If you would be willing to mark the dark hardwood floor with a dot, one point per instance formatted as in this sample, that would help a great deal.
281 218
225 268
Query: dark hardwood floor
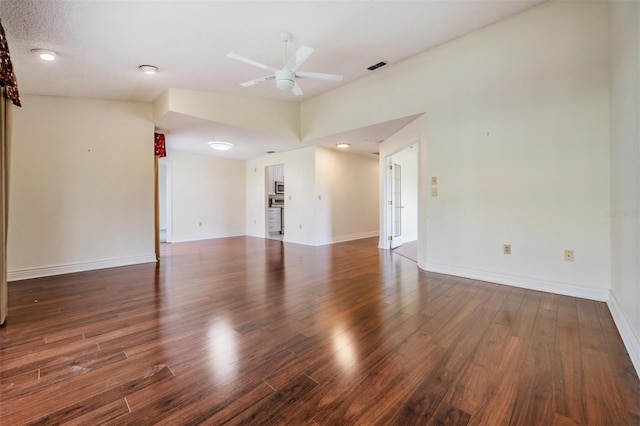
251 331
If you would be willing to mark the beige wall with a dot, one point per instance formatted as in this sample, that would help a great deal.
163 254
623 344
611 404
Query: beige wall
624 27
346 202
268 116
81 186
207 196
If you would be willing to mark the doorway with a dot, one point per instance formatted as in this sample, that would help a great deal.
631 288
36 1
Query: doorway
275 197
164 200
402 202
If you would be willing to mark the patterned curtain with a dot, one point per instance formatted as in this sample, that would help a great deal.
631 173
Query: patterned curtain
159 142
160 151
7 77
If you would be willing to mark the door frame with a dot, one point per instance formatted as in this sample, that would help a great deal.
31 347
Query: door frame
386 230
167 163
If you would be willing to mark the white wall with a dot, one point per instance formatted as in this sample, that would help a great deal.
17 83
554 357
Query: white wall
81 194
329 196
346 203
207 196
516 128
624 30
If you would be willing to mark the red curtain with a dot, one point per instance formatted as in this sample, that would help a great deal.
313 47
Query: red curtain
7 77
159 143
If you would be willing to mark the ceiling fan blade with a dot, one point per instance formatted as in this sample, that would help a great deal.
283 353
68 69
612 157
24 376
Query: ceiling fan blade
298 58
257 80
250 62
297 91
319 76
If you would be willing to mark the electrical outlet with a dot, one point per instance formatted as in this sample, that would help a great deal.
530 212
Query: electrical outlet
507 249
434 192
434 180
568 255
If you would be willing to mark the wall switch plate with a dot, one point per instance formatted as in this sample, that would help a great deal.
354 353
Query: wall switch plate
568 255
434 192
434 180
507 249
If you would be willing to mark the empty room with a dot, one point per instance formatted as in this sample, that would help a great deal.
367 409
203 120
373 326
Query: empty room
320 212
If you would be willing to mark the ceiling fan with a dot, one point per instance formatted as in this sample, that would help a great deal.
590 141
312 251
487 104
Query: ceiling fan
286 77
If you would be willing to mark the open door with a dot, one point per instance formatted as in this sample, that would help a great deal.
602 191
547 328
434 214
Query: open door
394 179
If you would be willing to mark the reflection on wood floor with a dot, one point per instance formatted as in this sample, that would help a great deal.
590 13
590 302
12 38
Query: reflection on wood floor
252 331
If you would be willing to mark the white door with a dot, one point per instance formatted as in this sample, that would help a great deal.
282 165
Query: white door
395 205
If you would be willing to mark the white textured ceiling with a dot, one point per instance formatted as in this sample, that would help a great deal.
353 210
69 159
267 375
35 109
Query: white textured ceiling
101 43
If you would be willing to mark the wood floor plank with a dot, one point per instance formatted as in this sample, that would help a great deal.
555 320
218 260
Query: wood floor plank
243 330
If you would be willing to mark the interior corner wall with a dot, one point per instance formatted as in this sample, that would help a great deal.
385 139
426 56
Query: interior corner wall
207 196
624 39
82 185
516 128
346 202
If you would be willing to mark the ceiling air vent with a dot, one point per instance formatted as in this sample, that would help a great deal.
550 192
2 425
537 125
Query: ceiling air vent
376 66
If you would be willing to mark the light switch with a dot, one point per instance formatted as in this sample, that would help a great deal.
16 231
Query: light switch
434 180
434 192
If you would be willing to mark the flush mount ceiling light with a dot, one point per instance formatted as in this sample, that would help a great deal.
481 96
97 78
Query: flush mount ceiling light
148 69
220 146
342 145
45 55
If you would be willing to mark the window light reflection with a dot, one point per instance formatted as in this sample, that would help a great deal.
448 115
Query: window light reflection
223 354
344 351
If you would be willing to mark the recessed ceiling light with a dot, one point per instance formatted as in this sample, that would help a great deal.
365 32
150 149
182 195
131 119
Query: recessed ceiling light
220 146
148 69
342 145
45 55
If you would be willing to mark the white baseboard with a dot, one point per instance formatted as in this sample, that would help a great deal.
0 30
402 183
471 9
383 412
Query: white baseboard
198 237
629 337
567 289
46 271
350 237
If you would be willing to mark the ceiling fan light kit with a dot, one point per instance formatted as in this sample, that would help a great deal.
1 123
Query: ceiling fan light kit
287 75
285 79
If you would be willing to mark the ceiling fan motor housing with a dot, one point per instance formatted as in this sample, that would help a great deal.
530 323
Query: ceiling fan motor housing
285 79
